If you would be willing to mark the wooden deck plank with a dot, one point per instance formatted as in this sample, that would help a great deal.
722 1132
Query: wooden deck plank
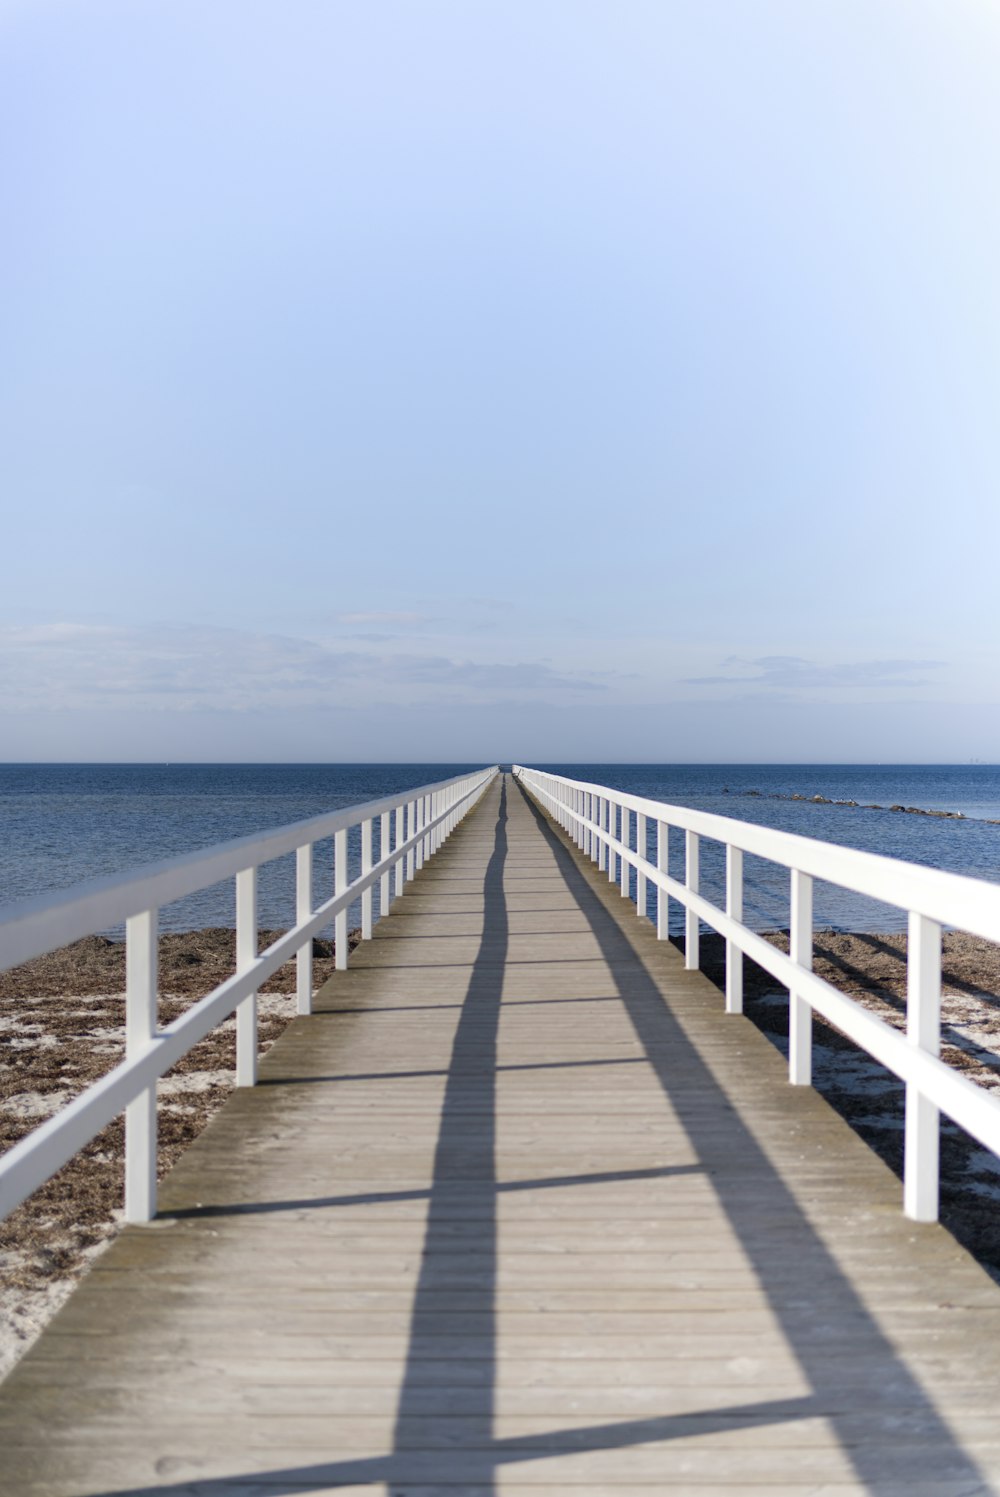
519 1209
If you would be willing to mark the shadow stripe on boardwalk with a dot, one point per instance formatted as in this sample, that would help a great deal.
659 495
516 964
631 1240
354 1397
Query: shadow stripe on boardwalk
425 1280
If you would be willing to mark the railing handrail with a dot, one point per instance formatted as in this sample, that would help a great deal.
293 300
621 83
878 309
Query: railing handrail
42 922
969 904
424 816
932 897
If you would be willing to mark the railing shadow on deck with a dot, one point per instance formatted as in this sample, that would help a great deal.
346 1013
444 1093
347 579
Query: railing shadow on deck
792 1289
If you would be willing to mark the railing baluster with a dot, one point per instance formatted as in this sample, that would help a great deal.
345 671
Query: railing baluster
602 847
662 866
400 839
140 1029
734 908
923 1030
411 828
383 853
640 875
612 833
801 951
626 837
303 909
366 867
339 886
692 879
246 955
131 1086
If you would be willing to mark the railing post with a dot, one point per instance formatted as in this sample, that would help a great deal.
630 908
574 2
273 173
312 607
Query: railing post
246 955
366 867
640 877
303 909
140 1029
662 866
411 827
734 909
602 846
590 847
692 879
801 951
626 834
339 885
400 839
612 830
383 852
923 1030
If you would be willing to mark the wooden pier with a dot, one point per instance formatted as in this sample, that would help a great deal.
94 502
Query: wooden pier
518 1209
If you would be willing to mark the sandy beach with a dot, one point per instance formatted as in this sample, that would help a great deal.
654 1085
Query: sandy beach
872 969
62 1026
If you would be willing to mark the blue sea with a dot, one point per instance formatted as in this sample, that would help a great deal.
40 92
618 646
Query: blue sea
61 824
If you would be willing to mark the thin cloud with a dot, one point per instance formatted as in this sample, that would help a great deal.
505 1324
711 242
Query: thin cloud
183 667
793 672
400 620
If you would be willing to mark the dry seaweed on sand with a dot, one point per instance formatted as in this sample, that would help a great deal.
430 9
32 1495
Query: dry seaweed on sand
871 968
62 1020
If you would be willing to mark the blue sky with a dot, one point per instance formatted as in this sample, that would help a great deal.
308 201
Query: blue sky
466 380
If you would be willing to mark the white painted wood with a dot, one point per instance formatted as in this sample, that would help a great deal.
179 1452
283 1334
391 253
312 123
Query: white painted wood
303 910
400 864
801 953
246 956
384 896
692 877
30 927
339 887
47 1148
933 1086
923 1030
366 867
969 904
640 867
625 836
734 909
141 934
744 1312
662 865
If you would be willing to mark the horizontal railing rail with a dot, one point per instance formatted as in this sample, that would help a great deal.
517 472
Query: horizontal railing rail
411 828
603 822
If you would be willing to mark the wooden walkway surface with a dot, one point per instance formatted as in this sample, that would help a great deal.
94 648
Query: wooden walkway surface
520 1209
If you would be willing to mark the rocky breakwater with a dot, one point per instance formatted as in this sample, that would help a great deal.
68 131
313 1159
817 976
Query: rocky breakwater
824 800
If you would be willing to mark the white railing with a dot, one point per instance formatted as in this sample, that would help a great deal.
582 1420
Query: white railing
411 828
603 822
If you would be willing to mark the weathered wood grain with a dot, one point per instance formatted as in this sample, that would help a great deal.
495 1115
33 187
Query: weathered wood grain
518 1209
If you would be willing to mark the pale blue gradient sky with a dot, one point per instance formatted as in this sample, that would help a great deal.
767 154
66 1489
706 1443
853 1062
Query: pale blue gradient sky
476 380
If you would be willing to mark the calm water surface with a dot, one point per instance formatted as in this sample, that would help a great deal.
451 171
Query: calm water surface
60 824
761 793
